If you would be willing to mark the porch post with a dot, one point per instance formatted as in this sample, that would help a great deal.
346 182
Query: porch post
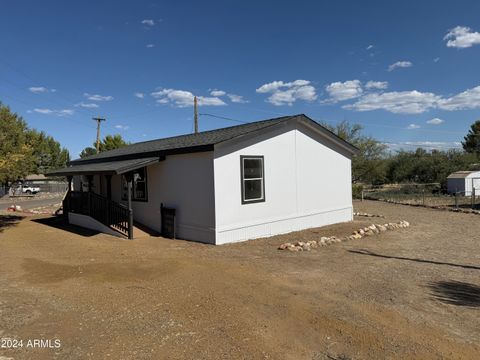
129 178
69 179
89 197
109 197
89 179
66 201
109 186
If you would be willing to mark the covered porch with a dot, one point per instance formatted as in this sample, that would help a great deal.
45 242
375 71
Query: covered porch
95 209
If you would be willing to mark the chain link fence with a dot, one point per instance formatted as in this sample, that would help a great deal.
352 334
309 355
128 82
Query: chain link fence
46 187
431 195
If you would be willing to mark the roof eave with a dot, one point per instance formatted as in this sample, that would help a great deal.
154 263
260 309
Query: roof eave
329 134
74 169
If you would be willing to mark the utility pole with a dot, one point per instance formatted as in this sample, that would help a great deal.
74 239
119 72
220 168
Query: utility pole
98 120
195 114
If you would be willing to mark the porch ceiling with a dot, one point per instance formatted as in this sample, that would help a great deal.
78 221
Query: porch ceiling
105 168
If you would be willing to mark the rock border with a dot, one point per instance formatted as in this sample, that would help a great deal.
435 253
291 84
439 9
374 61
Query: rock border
35 211
368 215
370 230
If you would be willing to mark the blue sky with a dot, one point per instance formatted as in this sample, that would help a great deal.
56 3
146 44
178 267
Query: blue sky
407 71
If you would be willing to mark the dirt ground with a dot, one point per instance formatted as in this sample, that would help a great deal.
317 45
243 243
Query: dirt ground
406 294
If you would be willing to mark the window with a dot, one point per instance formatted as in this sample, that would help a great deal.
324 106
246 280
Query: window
253 179
139 186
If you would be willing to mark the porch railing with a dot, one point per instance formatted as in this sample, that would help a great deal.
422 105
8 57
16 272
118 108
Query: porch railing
106 211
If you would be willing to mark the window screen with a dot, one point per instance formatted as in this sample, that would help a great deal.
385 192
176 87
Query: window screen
253 179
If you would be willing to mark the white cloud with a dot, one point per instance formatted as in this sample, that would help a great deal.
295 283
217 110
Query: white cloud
148 22
462 37
122 127
429 145
43 111
340 91
139 95
435 121
40 89
399 64
286 93
87 105
233 97
380 85
413 126
96 97
270 87
182 98
237 99
217 93
400 102
469 99
416 102
63 112
403 102
369 47
149 46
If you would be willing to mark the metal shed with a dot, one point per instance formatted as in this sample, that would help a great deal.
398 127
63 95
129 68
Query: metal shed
463 182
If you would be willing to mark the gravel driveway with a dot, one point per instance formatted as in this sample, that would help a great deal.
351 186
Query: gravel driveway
405 294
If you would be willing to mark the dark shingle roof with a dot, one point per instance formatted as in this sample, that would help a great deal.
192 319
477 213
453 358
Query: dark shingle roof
109 161
189 141
105 167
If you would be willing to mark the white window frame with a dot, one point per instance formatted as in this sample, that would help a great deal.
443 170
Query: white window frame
243 179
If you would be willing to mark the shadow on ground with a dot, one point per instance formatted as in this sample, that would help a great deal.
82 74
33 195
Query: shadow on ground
370 253
456 293
59 222
8 221
40 271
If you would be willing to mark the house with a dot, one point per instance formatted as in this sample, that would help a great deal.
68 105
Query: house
232 184
464 182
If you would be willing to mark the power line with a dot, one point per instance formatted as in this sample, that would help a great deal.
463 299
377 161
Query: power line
52 98
224 118
30 105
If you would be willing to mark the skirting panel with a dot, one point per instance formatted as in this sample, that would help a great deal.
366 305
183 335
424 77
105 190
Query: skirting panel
283 226
90 223
195 233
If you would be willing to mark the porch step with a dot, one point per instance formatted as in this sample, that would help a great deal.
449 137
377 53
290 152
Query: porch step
140 230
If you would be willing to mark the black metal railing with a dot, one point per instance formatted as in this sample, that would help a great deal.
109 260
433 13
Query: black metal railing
106 211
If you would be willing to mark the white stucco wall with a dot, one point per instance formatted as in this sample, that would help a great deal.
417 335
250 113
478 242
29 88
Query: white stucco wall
184 182
307 184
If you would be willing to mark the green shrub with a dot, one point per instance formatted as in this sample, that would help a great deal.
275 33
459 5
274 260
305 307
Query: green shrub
357 191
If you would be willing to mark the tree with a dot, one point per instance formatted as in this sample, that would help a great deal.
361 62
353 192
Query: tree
109 142
47 152
16 158
423 166
26 151
369 164
88 151
471 143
